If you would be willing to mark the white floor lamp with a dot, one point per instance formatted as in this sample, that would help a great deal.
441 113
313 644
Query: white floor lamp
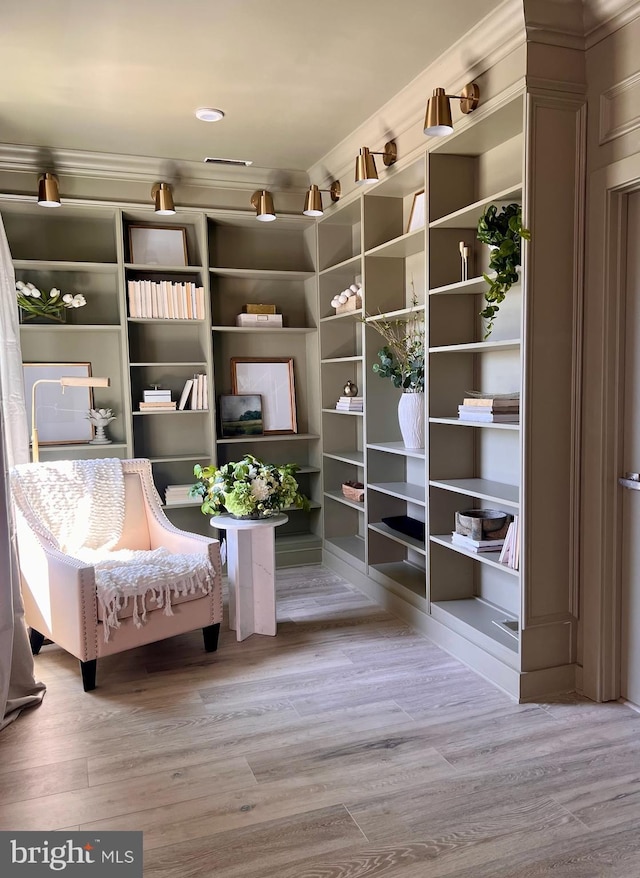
64 381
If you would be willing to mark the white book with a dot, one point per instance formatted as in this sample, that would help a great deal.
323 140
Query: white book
193 403
137 294
200 301
505 554
205 391
462 540
184 396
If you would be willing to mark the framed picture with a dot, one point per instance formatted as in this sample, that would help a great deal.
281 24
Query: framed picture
241 415
158 245
272 379
417 215
61 417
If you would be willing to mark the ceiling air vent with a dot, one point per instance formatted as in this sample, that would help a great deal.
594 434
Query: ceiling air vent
215 161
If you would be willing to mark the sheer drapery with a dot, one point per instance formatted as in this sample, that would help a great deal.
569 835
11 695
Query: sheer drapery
18 687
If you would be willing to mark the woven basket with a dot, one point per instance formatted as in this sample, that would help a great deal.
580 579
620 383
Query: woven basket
353 491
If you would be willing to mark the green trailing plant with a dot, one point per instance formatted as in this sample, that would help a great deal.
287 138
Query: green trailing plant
402 357
503 231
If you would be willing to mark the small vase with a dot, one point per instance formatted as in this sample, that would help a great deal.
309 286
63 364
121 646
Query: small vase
25 316
101 437
411 419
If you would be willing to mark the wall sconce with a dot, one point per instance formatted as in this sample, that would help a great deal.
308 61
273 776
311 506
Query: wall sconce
64 381
313 198
48 192
262 200
163 196
366 171
437 122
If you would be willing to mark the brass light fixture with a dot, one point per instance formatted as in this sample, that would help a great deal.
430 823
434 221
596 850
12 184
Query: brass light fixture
161 192
262 200
437 121
313 198
366 171
48 192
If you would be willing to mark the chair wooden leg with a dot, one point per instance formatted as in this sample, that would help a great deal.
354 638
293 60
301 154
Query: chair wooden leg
35 640
88 670
210 635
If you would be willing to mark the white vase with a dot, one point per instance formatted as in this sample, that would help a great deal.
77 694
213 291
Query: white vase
411 419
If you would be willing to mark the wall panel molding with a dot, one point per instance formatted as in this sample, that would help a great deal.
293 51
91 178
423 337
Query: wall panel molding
619 109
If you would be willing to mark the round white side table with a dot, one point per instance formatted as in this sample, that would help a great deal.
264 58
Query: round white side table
251 571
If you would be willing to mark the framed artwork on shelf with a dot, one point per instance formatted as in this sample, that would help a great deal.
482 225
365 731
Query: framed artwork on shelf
417 215
272 379
61 412
241 415
158 245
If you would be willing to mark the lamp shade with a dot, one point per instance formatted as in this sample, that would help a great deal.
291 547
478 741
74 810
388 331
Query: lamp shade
161 192
366 171
313 202
48 192
437 121
262 200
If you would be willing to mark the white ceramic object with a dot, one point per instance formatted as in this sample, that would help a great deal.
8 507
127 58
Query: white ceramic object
411 419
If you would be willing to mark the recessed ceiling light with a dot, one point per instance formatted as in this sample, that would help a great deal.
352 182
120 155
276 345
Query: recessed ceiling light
209 114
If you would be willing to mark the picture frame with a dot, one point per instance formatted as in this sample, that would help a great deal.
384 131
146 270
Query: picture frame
272 379
158 245
417 216
61 417
235 415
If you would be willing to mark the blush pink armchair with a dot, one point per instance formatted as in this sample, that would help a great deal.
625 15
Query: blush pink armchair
60 591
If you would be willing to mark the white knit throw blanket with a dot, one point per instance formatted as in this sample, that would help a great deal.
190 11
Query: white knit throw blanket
80 505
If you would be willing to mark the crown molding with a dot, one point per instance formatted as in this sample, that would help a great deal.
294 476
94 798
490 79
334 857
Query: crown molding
604 17
488 42
21 158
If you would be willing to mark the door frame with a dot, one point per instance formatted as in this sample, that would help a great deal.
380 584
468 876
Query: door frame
602 428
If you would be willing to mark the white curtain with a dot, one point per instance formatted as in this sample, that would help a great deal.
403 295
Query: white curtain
18 687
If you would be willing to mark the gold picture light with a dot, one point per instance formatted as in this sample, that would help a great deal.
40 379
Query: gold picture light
437 122
161 193
262 200
313 198
64 381
366 171
48 191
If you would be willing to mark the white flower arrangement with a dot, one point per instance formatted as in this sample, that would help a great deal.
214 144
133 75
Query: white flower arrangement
247 489
52 304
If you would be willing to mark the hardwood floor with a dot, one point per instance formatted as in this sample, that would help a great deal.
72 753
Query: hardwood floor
346 747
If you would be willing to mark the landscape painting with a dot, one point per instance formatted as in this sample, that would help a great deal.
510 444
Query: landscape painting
241 415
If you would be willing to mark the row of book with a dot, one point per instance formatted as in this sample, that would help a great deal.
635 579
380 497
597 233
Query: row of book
501 408
165 300
350 404
177 495
194 397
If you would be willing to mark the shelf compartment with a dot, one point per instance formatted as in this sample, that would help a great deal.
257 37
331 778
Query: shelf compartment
481 347
73 235
489 558
162 341
274 330
401 247
457 422
467 217
396 448
239 243
402 577
483 489
474 619
351 265
401 490
262 274
380 527
350 548
339 498
346 456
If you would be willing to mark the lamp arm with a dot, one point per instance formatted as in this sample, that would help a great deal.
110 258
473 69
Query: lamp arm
35 451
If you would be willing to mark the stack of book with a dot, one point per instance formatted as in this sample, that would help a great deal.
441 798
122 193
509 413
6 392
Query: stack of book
476 545
349 404
165 300
178 494
501 408
510 554
194 394
157 401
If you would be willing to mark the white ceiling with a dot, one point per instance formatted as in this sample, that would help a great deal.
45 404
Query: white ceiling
293 76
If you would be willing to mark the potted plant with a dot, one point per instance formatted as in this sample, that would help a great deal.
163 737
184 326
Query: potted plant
503 232
248 488
402 361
